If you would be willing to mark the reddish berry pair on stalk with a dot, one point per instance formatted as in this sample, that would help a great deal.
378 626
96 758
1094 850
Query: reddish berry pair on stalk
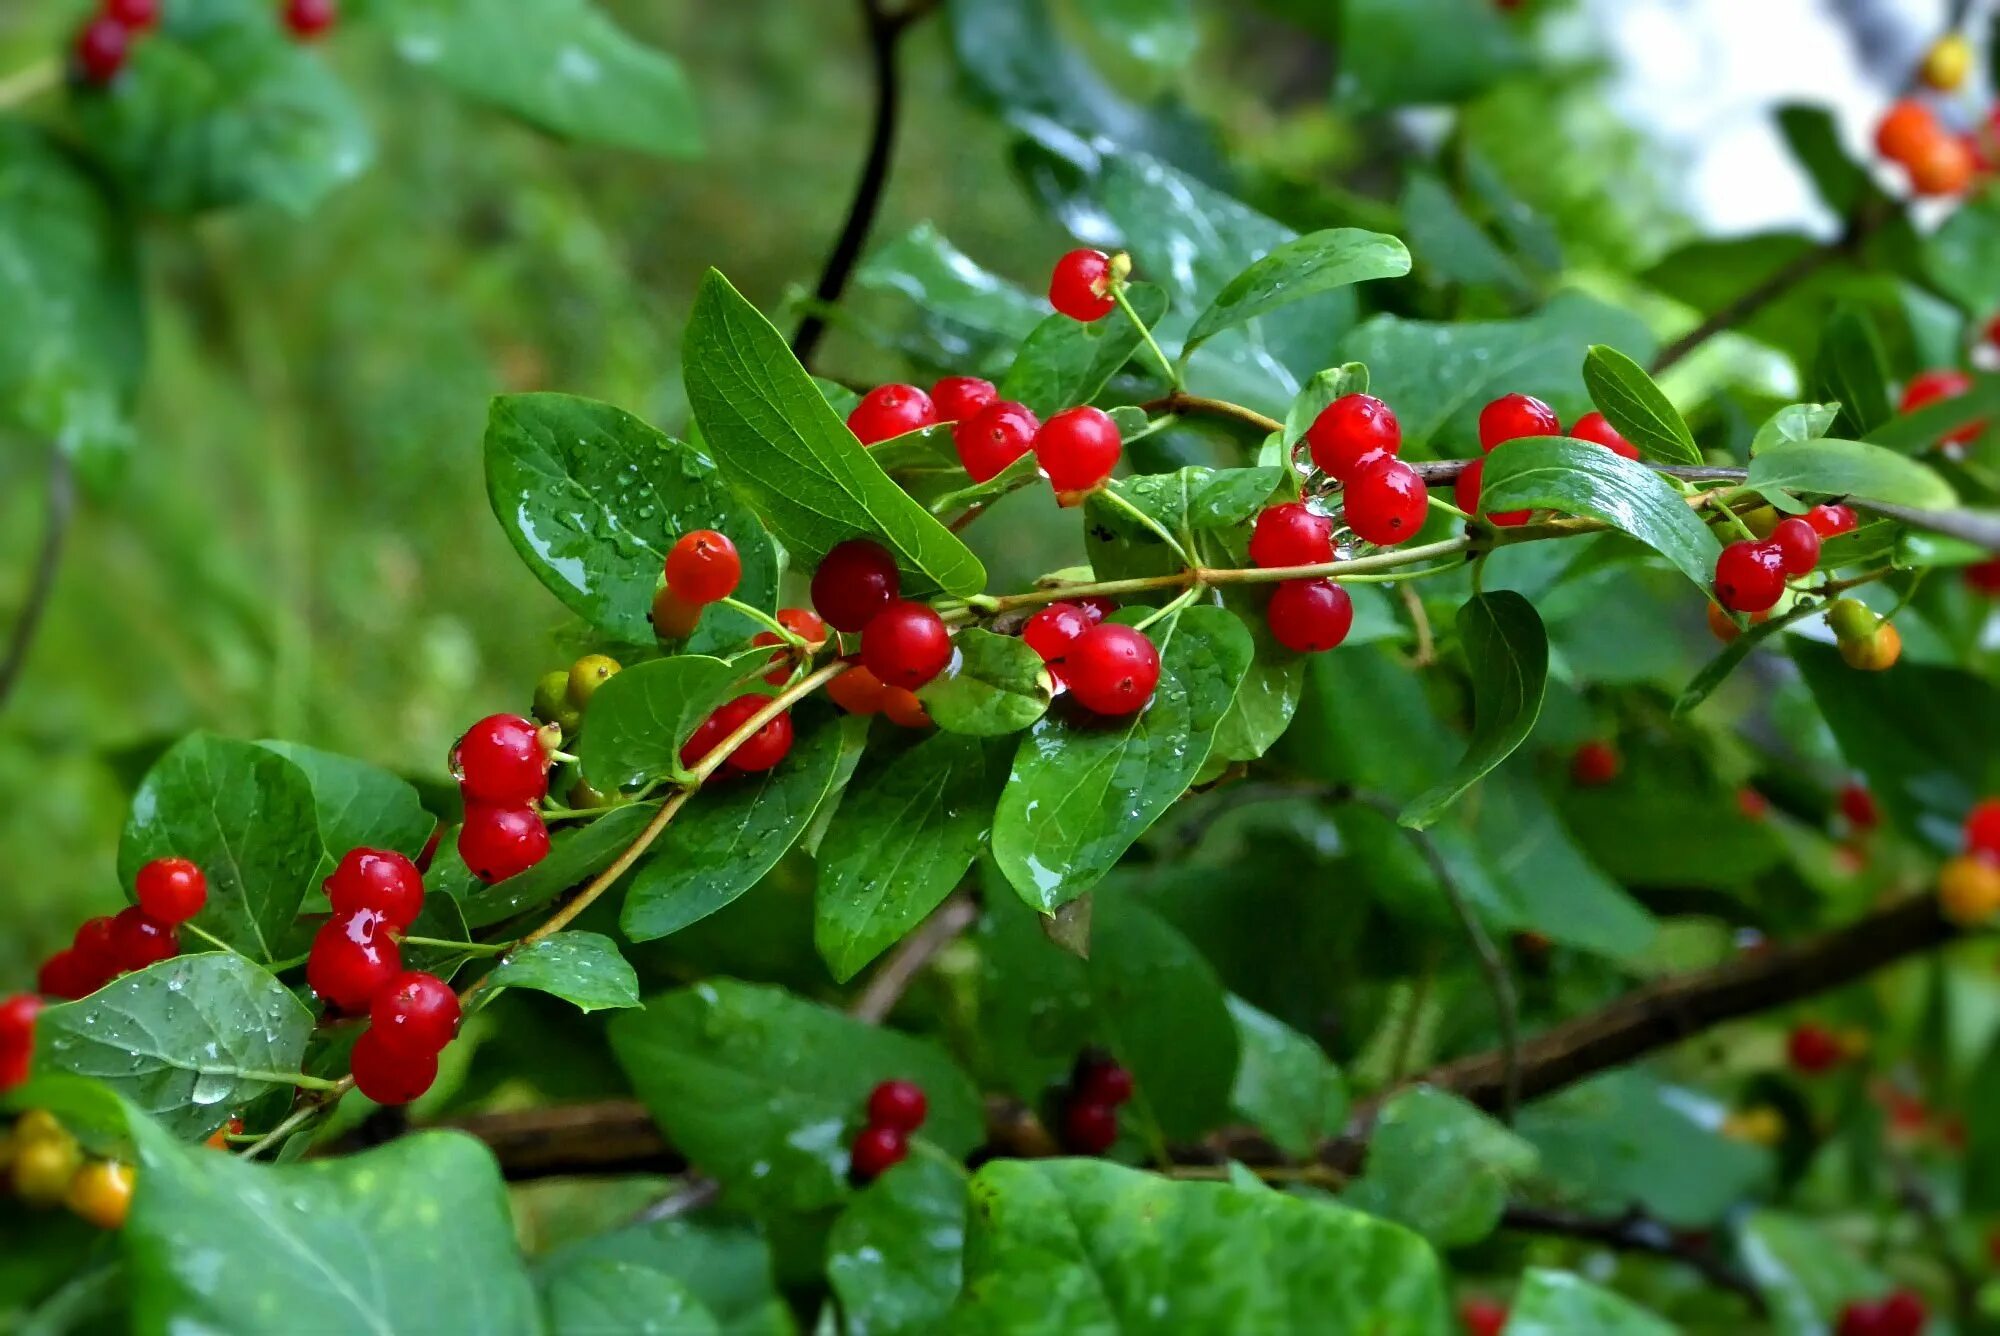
169 891
1098 1088
1750 575
896 1109
502 767
1076 449
1109 668
106 42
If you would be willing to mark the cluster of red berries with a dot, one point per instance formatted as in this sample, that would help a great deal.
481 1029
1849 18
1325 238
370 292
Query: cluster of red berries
1814 1049
1514 417
1751 574
1938 160
701 568
17 1037
896 1109
170 891
1934 386
1108 668
356 968
106 42
502 768
1097 1088
1901 1313
763 749
1076 449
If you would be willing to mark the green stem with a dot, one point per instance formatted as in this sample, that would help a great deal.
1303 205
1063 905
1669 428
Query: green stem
467 948
299 1117
1160 614
1110 496
1173 372
765 619
1394 577
207 936
1438 503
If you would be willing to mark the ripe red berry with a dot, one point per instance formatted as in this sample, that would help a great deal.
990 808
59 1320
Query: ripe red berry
1080 285
1097 607
994 437
137 15
101 49
414 1014
1595 763
1310 615
801 622
1858 805
1078 448
353 957
1385 505
378 879
96 946
1982 828
1983 577
1813 1049
1753 805
1902 1314
387 1075
1101 1081
856 580
703 567
1465 492
308 19
906 645
17 1038
706 735
890 410
875 1152
498 842
1798 545
1597 428
501 760
897 1104
1089 1128
1830 520
138 939
1052 630
1929 387
1112 669
762 749
1482 1316
1513 416
1349 429
172 890
1291 534
1749 576
959 398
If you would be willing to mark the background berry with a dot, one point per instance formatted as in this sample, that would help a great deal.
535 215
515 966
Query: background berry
857 579
876 1151
138 939
897 1104
1512 416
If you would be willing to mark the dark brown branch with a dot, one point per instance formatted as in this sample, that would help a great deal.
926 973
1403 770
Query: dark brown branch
41 583
614 1136
1637 1233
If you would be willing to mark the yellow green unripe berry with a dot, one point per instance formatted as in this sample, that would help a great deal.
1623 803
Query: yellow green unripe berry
552 703
587 674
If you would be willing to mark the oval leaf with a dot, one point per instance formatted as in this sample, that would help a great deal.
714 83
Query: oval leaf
1302 267
995 685
1641 411
1849 468
1066 362
583 968
360 805
1507 653
895 1255
639 720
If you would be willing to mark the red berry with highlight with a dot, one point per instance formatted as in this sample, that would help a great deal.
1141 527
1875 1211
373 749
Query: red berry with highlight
308 19
1349 431
993 438
1595 763
101 50
498 842
1089 1128
1827 521
1078 448
172 890
388 1075
906 645
898 1104
1465 492
1982 828
1112 669
500 760
138 939
378 879
1596 428
1080 285
352 959
1097 607
875 1152
856 580
1310 615
96 945
1749 576
414 1014
1052 630
1291 534
1512 416
959 398
1858 805
767 746
703 566
1813 1049
891 410
1385 505
1798 545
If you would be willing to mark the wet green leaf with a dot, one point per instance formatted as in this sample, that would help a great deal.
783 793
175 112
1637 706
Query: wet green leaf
1507 654
1638 408
360 806
994 685
1440 1166
1794 423
1848 468
724 1263
582 968
1302 267
1851 369
599 1296
1284 1083
895 1256
1321 390
638 721
1066 362
1558 1303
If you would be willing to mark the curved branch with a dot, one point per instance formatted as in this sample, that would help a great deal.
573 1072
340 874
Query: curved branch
41 583
1636 1233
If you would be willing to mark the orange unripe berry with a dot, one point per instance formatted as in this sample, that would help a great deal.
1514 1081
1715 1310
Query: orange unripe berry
1906 128
1969 890
1942 165
101 1193
1875 653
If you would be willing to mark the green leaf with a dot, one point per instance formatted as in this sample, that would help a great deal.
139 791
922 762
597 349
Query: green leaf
994 685
1963 256
1440 1166
765 1090
582 968
1302 267
247 818
1717 670
947 284
190 1040
1852 369
730 835
1450 247
219 107
575 853
1816 141
1268 695
1082 791
1805 1272
410 1237
593 499
724 1264
1419 52
561 65
1638 408
1849 468
638 721
1558 1303
600 1296
908 827
1284 1084
442 918
1321 390
1156 33
1179 1040
895 1256
1084 1245
1793 424
791 457
1066 362
1507 655
360 806
1579 478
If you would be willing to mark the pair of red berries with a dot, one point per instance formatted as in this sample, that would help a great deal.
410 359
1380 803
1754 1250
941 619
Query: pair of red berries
105 43
762 750
1929 387
1109 668
1355 440
1513 417
17 1037
858 588
1311 614
1098 1087
169 891
1813 1049
701 568
1594 764
896 1109
1750 575
502 768
1077 448
1900 1313
889 411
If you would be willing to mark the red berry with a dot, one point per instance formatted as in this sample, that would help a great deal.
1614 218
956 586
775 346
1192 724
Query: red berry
958 398
890 410
1350 428
1080 285
703 567
1101 1082
1481 1316
993 438
1078 448
414 1014
17 1038
172 890
1830 520
308 19
1753 805
1386 504
387 1075
876 1151
1749 577
1858 805
897 1104
1097 607
1089 1128
1982 828
96 945
499 842
1597 428
906 645
801 622
137 15
1813 1049
1291 534
68 975
1310 615
1902 1314
353 958
1798 545
1112 669
1929 387
1465 492
378 879
1051 631
856 580
1513 416
1595 763
101 50
706 735
762 749
856 691
1983 577
500 760
138 939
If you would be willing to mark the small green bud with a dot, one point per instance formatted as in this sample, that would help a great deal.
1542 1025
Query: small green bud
1852 620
